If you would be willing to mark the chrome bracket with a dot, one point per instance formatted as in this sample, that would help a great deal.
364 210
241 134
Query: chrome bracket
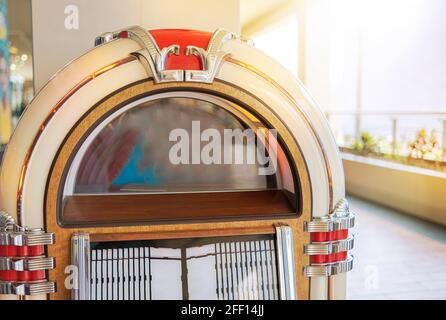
12 234
285 261
34 238
26 264
329 269
27 289
211 58
340 219
329 247
154 59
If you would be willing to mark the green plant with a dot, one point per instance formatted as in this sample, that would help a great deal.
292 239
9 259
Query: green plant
366 144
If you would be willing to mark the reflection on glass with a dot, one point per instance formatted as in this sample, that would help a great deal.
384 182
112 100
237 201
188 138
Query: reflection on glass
131 153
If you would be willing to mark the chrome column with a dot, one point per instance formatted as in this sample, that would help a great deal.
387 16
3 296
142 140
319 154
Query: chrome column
80 258
340 220
285 261
13 235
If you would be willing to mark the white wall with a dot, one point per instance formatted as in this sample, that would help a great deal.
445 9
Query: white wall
403 48
57 38
398 65
404 55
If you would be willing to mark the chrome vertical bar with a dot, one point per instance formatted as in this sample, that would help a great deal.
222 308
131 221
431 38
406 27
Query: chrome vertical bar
80 257
285 261
443 141
394 135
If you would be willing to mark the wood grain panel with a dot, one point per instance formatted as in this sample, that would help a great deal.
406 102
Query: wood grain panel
99 209
185 234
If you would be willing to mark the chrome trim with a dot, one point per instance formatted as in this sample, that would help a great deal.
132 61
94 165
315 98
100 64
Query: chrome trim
7 222
27 289
340 219
26 264
26 239
11 234
104 38
158 77
211 58
80 257
285 261
248 41
329 269
329 247
153 59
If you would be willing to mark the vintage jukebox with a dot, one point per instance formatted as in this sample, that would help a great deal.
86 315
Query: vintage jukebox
99 201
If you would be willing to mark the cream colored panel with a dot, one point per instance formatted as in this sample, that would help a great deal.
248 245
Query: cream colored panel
319 288
41 106
338 287
58 128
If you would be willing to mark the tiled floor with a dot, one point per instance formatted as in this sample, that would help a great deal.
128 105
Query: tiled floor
396 256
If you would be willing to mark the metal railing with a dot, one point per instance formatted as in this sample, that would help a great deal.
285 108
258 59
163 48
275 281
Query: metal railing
395 118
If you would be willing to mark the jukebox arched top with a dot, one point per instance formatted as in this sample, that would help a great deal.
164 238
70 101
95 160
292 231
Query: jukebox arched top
99 170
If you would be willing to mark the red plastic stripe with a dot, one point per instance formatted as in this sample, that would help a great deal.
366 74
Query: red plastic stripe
18 252
183 38
24 251
329 236
22 276
334 257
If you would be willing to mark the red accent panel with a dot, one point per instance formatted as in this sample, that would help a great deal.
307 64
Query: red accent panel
23 276
183 38
25 251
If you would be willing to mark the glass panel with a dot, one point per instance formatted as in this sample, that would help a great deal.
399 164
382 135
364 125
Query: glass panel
138 150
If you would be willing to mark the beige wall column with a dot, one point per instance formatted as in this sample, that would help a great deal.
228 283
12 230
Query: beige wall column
64 29
301 8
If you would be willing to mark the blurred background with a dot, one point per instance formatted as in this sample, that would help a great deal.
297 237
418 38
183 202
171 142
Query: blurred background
377 69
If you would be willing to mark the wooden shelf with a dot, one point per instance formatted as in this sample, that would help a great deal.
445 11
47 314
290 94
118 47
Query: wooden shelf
137 208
